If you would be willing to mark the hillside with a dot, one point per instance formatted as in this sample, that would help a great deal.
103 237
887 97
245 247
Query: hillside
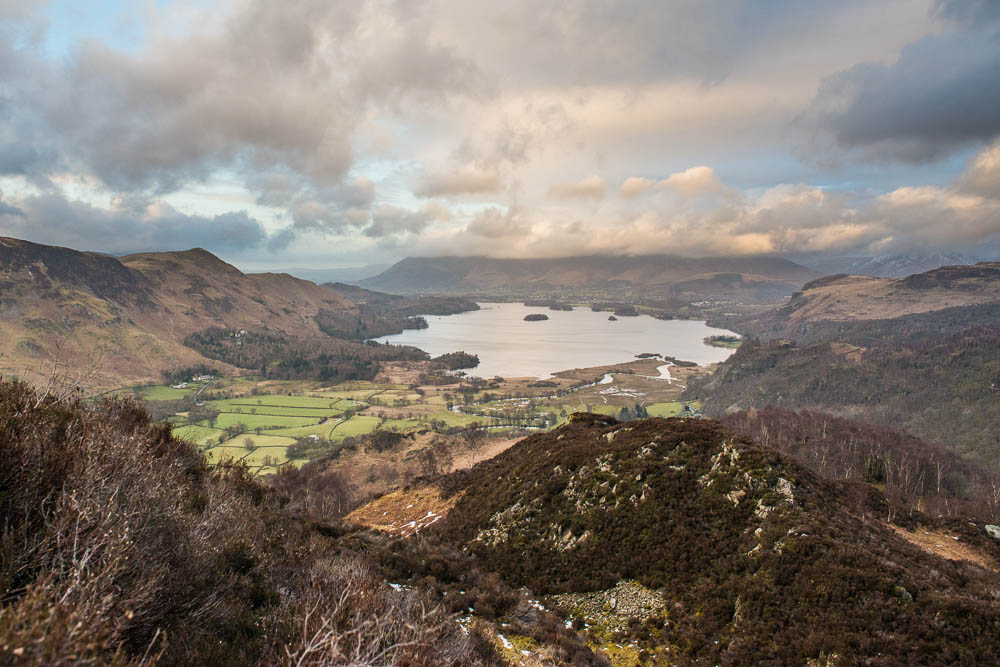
710 549
945 390
919 354
753 278
96 321
121 547
379 314
845 298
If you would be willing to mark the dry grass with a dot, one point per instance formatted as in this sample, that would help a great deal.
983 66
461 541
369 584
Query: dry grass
491 448
942 544
404 513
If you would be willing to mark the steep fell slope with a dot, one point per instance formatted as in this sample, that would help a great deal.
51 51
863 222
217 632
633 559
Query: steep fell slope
103 321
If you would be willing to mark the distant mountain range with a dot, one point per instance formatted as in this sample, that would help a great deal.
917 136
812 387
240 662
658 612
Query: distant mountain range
753 278
131 315
351 275
886 266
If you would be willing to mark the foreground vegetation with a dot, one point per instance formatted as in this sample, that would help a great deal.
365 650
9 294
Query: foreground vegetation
121 546
665 541
737 555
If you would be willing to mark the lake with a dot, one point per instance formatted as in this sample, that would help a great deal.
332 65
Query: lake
510 347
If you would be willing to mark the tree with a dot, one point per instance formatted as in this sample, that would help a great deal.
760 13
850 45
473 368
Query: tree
473 436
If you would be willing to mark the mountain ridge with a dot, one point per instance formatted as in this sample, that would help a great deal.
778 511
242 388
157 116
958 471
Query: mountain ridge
125 319
652 273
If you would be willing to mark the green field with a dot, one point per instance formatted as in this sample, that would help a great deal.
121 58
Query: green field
671 409
300 409
355 394
278 411
457 418
199 435
267 422
355 426
261 455
403 424
222 452
322 430
259 440
276 401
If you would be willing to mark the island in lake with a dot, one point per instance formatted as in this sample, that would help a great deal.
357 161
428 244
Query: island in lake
535 317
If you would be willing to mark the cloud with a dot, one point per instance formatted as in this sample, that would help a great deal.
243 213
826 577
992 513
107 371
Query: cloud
469 179
493 223
129 225
692 181
969 12
17 9
983 175
591 187
297 103
255 86
7 209
390 221
331 210
941 94
783 219
634 186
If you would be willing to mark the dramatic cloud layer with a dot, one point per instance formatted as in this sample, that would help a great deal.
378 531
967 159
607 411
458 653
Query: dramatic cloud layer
127 225
329 132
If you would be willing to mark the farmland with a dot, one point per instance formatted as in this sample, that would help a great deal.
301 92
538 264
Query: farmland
267 424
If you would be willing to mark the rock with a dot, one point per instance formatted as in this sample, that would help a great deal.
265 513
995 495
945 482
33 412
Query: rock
993 531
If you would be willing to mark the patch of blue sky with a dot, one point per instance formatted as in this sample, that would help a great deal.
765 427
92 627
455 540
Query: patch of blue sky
117 24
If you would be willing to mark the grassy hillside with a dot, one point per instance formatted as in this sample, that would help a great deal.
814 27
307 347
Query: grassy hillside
737 555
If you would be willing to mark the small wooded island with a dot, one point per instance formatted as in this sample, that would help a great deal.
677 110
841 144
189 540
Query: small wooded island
535 317
612 318
723 341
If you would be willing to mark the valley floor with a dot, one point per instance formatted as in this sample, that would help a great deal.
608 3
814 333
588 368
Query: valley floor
268 424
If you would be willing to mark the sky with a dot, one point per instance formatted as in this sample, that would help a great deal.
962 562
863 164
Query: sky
328 133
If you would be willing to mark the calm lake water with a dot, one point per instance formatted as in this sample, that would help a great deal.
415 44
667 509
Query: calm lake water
510 347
